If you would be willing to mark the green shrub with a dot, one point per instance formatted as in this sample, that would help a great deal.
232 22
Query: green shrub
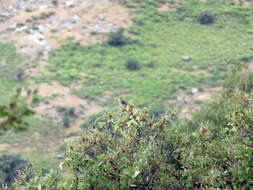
132 64
61 109
66 121
117 38
68 112
71 111
9 164
134 152
205 18
151 64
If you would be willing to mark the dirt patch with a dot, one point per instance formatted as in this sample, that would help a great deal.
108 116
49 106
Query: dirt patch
95 19
4 147
243 2
36 70
61 96
86 21
64 96
57 95
196 71
250 66
93 108
46 89
190 102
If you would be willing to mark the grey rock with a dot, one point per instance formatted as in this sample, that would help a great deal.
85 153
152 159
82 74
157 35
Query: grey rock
69 4
12 26
71 21
41 27
21 29
111 27
186 58
4 14
28 49
184 111
194 90
38 38
186 100
43 6
60 99
85 106
75 18
179 99
101 18
59 156
107 97
97 28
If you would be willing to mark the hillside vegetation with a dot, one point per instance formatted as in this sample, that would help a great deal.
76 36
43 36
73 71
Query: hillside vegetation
158 42
75 59
214 150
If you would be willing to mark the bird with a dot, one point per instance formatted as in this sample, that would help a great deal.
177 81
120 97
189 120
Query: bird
123 102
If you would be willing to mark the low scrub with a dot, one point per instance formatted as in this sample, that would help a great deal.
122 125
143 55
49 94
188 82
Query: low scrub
117 38
133 151
132 64
205 17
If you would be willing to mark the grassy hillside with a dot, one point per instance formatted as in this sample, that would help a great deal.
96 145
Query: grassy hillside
161 40
10 67
165 53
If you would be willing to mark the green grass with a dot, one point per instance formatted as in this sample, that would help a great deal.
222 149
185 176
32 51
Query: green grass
39 161
10 61
163 39
33 124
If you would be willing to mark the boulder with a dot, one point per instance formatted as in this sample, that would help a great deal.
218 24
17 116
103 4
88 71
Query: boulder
194 90
186 58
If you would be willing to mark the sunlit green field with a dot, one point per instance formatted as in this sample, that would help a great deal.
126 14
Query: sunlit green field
161 40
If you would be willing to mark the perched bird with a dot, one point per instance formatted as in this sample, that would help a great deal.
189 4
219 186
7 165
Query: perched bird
123 102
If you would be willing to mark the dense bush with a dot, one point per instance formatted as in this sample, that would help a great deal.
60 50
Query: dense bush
205 18
9 164
132 64
66 121
133 152
71 112
117 38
